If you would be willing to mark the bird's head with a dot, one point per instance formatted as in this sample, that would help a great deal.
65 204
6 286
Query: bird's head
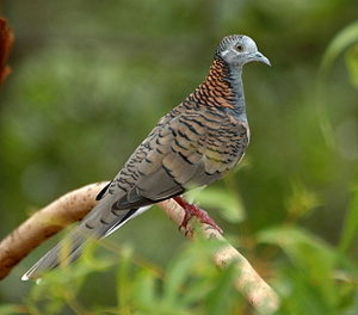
237 50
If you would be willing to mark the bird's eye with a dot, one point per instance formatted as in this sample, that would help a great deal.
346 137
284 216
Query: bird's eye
239 47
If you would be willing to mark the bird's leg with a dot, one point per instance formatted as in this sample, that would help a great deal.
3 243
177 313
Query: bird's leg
194 211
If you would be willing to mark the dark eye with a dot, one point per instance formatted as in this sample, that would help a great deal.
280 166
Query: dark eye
239 47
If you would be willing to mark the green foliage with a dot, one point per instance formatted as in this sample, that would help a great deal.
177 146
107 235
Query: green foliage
343 40
317 279
300 202
190 283
91 78
228 204
350 228
310 276
352 64
10 309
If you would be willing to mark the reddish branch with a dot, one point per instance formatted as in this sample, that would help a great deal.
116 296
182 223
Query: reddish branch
76 204
6 42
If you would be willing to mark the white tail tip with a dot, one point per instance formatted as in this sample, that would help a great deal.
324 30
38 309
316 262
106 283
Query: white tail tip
25 277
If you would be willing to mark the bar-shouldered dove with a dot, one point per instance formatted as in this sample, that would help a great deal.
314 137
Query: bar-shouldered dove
193 145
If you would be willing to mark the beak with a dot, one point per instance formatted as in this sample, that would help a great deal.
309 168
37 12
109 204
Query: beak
261 58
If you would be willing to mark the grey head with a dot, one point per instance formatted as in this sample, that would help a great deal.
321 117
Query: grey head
237 50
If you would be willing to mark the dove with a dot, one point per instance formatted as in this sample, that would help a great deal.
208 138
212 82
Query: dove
195 144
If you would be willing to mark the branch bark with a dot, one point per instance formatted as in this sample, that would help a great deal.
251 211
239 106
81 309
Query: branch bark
74 205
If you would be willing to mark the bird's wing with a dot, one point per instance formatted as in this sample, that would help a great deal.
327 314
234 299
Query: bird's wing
191 149
162 166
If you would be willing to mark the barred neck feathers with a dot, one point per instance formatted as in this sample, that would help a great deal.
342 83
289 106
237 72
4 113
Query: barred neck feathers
222 88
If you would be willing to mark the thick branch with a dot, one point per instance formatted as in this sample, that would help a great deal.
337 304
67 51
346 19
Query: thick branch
45 223
76 204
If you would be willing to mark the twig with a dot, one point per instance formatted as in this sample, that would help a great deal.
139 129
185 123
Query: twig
74 205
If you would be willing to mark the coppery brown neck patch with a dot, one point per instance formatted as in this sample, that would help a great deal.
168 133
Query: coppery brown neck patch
216 90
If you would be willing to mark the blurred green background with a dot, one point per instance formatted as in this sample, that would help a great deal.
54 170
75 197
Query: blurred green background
91 78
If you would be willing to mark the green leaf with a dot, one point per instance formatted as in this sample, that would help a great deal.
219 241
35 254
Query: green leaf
301 201
217 300
228 205
12 309
350 228
303 298
344 39
145 288
197 290
296 242
178 272
124 283
309 255
352 64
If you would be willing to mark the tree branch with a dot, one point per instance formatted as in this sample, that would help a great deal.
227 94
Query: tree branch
74 205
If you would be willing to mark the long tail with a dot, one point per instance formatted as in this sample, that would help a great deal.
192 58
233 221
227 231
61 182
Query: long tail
69 249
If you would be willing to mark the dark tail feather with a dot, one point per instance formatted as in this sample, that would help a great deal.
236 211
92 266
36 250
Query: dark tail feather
65 252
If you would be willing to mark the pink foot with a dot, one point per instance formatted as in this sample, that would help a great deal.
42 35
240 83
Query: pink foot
194 211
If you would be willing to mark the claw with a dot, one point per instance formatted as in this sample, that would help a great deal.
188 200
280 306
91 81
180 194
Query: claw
194 211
